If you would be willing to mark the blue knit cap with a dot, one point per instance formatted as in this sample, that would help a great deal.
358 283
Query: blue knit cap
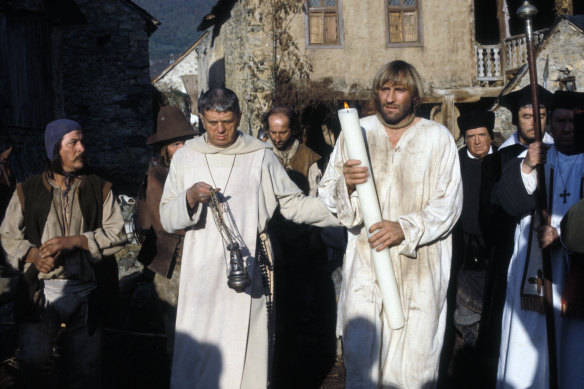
56 130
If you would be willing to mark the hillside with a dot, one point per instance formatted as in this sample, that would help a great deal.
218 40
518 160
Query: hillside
178 29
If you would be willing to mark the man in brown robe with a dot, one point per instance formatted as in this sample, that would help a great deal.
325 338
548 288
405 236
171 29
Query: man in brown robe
161 251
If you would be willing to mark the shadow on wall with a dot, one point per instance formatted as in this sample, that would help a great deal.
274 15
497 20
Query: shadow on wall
217 74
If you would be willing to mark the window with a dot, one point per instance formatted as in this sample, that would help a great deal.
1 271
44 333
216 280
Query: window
323 22
403 22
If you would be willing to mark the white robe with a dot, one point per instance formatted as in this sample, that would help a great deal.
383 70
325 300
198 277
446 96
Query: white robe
418 184
523 360
222 336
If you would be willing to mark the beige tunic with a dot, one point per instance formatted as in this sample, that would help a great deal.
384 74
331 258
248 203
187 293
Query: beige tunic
106 240
221 336
418 185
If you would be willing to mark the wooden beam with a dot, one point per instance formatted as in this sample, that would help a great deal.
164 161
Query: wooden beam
462 95
503 32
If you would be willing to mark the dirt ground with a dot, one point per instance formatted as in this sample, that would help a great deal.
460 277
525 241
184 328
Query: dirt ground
306 352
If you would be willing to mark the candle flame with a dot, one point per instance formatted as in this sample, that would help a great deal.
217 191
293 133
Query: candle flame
346 105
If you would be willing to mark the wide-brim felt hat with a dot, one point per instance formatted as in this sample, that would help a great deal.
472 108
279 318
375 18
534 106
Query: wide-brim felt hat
567 100
476 119
171 124
522 97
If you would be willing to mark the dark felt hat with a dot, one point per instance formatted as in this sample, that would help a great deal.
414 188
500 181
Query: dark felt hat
170 125
475 119
515 100
567 100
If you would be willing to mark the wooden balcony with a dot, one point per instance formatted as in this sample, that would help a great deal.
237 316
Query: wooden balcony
491 66
488 60
516 51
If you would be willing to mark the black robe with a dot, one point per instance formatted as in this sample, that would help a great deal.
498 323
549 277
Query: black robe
473 243
502 229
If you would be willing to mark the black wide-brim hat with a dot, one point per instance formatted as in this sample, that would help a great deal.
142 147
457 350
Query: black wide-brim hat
171 124
476 119
522 97
515 100
567 100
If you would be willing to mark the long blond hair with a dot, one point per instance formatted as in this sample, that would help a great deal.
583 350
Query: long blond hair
400 73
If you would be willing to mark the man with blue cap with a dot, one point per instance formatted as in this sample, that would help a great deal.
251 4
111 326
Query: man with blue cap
61 230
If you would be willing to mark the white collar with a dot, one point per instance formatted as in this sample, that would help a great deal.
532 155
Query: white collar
473 157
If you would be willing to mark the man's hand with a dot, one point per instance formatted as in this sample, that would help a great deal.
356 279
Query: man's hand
388 234
42 264
547 235
199 193
354 175
63 244
536 155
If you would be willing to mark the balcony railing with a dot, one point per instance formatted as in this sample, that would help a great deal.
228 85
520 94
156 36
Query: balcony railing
488 62
516 49
490 66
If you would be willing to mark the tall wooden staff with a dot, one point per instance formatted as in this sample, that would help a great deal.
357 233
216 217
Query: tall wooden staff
526 12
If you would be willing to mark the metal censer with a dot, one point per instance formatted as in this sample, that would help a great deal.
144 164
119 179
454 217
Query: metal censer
238 279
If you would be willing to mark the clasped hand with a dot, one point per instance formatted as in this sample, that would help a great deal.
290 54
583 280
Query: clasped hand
354 174
388 234
46 258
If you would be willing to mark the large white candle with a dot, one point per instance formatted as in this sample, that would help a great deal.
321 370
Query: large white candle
371 212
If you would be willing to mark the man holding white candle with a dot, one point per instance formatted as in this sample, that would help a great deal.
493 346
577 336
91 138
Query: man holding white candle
415 169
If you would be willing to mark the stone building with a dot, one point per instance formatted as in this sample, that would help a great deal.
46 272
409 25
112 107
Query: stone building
81 59
466 50
181 78
559 62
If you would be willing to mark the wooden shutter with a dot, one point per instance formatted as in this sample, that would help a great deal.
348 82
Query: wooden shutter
316 29
330 28
395 27
410 26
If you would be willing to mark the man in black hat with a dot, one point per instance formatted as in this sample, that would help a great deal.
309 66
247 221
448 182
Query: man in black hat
61 230
521 362
519 103
472 245
161 251
472 241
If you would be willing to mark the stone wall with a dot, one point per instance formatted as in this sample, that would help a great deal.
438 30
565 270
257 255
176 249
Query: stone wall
106 87
172 79
248 61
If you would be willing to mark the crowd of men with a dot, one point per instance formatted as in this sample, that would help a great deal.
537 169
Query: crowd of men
222 213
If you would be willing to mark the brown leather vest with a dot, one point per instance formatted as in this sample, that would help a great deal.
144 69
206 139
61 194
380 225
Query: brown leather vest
299 165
